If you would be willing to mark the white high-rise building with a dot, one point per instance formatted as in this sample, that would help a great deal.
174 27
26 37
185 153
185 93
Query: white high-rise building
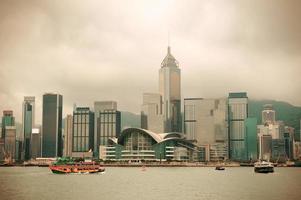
275 130
268 114
68 129
170 90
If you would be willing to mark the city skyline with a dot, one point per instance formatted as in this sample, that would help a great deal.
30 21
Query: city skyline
79 55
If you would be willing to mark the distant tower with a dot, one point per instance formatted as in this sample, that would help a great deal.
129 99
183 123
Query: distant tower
170 90
52 141
28 116
268 114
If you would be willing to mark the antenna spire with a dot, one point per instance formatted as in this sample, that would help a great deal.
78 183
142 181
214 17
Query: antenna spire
168 44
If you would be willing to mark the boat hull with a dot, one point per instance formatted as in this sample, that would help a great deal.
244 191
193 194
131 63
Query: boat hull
76 169
264 169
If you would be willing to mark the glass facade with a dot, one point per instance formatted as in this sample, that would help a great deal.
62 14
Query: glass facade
170 90
152 114
237 113
251 138
205 123
108 125
28 123
52 144
7 120
83 130
138 144
190 123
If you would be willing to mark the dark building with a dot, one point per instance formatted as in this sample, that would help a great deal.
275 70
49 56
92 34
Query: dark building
237 115
288 145
35 143
83 130
52 142
108 125
2 149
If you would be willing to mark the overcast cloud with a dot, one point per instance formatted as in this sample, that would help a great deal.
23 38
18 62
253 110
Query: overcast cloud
111 50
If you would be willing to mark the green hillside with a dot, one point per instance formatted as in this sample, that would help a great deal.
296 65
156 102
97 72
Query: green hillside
286 112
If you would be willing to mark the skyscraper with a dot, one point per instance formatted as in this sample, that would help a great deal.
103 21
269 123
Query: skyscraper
170 90
35 144
205 123
28 116
237 114
265 146
107 122
7 120
83 131
52 125
152 114
251 138
10 142
268 114
68 131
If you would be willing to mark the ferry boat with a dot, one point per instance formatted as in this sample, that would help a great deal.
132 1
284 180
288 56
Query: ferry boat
68 166
263 167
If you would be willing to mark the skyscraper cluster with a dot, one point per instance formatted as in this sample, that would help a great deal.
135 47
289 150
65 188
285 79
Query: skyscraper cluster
77 135
204 129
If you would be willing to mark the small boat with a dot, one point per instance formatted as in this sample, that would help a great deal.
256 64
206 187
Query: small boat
263 167
71 167
219 168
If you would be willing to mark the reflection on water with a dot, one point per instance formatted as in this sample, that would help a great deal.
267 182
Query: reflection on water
153 183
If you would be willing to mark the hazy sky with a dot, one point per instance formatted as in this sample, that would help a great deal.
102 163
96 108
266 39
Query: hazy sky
111 50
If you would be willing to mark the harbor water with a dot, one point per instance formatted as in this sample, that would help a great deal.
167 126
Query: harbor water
154 183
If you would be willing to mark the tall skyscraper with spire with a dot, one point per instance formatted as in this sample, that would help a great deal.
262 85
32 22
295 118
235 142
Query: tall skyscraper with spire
170 90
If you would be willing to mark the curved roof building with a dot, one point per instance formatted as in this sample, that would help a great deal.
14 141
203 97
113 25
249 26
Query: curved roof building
141 144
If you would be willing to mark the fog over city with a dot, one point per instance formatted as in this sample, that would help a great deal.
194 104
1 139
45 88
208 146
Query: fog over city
112 50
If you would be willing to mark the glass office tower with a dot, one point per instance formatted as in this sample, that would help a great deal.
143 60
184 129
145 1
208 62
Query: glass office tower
170 90
83 130
52 143
251 138
27 124
108 122
237 114
7 120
